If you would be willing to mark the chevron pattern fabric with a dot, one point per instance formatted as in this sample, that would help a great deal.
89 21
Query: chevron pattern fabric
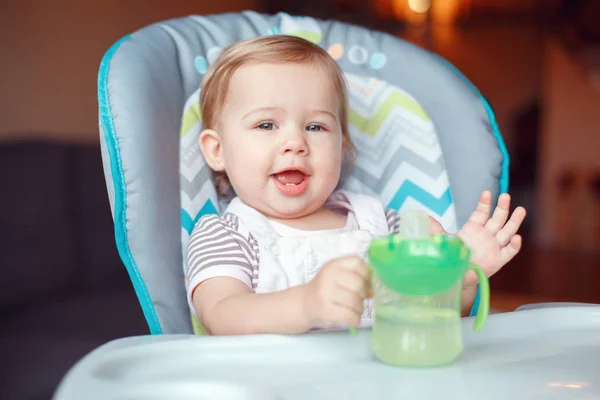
399 156
198 193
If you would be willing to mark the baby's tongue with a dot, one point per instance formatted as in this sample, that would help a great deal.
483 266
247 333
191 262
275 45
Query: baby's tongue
290 177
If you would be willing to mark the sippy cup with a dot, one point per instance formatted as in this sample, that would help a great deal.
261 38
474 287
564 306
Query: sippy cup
417 282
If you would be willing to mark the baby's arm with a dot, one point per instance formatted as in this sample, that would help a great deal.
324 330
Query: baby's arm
333 298
227 306
467 298
221 262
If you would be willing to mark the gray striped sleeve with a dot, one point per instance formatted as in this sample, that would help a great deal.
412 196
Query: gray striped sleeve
217 247
393 220
250 244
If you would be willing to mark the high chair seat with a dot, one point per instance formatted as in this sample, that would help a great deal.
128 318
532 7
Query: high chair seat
426 137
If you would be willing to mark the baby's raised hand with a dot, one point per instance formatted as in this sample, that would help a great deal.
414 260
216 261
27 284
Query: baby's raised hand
335 296
493 241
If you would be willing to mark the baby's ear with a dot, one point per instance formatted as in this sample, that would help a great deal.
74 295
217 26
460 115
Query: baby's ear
348 153
210 145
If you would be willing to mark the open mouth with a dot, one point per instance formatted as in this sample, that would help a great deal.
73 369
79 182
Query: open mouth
290 177
291 181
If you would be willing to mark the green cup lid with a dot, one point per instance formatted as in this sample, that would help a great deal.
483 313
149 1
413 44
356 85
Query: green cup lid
421 266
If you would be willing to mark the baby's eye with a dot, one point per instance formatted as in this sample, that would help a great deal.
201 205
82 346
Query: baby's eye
315 128
267 126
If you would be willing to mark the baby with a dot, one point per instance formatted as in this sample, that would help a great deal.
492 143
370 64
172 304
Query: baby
287 254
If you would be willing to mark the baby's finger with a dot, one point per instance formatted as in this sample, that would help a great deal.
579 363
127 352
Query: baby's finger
508 252
482 212
370 293
500 214
512 226
346 316
435 228
356 265
353 283
347 299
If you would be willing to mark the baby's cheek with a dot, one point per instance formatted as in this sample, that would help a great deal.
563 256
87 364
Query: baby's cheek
330 160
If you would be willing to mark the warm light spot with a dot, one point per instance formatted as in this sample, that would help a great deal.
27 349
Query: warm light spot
403 11
446 11
419 6
573 386
570 385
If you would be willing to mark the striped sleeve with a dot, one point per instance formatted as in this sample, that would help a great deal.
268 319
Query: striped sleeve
219 248
393 220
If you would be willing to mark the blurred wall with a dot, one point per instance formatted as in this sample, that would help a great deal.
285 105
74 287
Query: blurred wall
570 216
50 51
502 61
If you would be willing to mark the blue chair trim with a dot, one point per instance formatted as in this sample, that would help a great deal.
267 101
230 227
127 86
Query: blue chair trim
120 189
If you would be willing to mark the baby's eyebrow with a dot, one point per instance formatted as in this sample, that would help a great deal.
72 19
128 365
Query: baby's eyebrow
261 109
328 113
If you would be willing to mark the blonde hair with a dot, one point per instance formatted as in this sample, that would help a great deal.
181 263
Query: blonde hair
276 49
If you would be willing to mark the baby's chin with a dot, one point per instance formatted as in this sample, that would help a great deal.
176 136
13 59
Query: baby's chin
289 208
289 212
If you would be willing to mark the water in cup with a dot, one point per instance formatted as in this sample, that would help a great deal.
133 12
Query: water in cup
416 335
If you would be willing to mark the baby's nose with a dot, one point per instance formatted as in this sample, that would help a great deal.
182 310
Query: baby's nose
295 143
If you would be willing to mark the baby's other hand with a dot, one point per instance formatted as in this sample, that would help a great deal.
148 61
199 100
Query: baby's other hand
335 296
493 241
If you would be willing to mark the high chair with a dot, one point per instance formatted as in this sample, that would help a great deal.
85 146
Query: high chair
426 140
426 137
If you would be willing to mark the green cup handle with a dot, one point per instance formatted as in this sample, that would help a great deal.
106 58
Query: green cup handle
484 299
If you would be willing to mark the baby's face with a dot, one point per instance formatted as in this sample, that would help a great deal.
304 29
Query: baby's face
281 138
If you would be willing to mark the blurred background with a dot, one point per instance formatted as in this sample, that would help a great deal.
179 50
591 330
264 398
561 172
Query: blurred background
63 289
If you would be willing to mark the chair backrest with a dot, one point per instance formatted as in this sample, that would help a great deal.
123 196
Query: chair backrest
426 137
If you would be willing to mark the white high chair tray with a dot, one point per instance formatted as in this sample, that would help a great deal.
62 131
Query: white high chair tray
551 353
